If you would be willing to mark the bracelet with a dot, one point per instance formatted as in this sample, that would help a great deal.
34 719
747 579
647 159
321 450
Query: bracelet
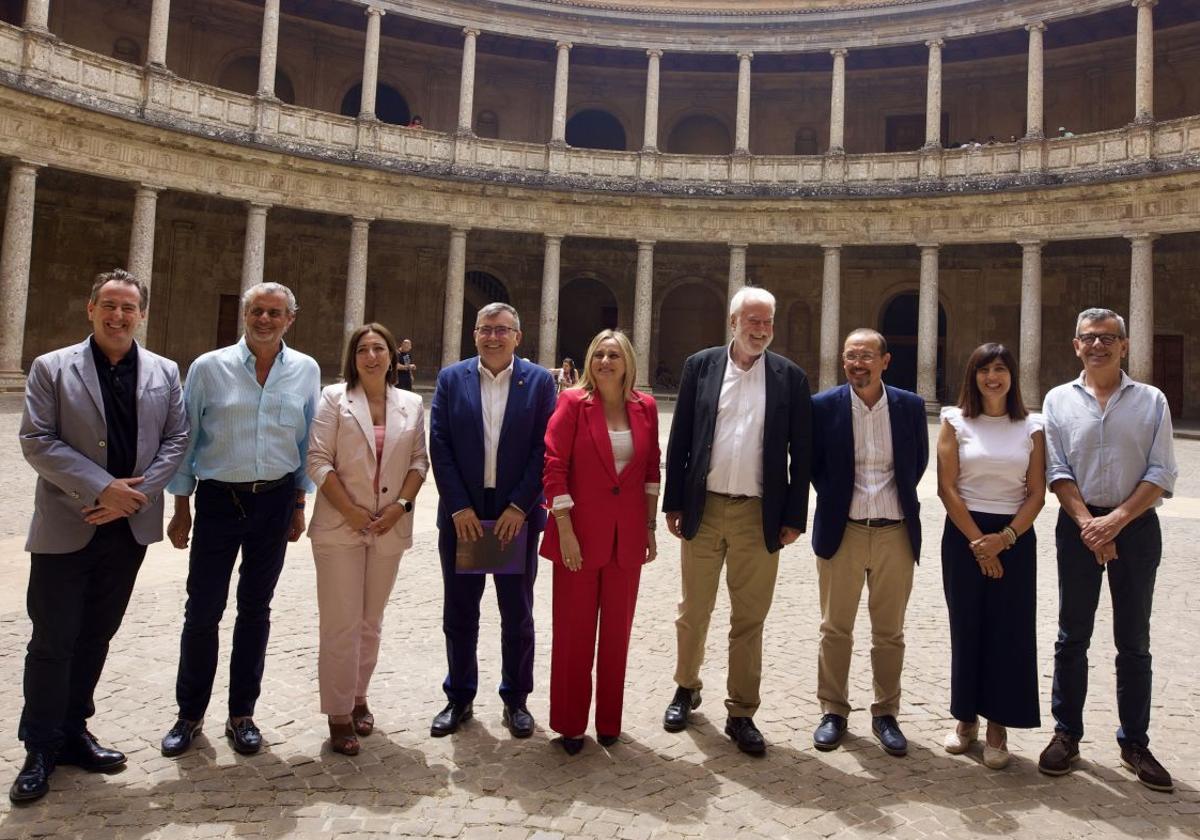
1009 535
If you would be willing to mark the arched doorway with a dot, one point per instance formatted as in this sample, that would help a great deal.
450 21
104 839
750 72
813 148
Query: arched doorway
692 317
241 76
390 105
899 326
481 289
585 306
700 134
595 129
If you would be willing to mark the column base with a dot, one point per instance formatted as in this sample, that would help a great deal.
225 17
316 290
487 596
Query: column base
12 380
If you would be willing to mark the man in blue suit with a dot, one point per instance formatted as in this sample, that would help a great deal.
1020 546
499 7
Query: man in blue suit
870 448
486 443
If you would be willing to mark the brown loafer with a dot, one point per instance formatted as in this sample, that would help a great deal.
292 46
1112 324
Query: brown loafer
364 721
342 738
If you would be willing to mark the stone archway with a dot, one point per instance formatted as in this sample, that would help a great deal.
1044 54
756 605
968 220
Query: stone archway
898 323
595 128
390 105
586 305
691 317
700 134
480 289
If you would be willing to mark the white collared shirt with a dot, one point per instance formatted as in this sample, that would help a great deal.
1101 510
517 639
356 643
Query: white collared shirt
493 399
735 467
875 495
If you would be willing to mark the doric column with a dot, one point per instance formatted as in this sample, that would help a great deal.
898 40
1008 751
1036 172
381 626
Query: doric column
1031 323
456 277
356 278
548 321
370 72
1143 86
741 144
1141 307
1034 109
737 277
15 253
37 17
837 104
141 242
160 15
562 69
254 249
269 49
466 89
643 311
933 96
650 125
831 309
927 325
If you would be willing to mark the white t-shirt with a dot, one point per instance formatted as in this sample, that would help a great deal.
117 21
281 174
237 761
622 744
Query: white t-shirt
622 447
993 459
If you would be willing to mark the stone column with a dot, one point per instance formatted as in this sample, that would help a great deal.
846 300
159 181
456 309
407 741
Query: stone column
466 89
37 18
356 278
1031 323
741 145
837 104
15 253
269 50
933 96
254 249
141 242
1141 307
1143 86
456 278
562 69
1034 109
370 72
927 325
831 310
643 311
160 16
548 320
737 278
650 125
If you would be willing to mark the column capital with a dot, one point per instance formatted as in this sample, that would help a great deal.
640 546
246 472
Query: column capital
27 165
645 244
826 247
562 45
738 246
745 55
553 237
1141 237
258 207
1031 244
928 246
470 33
839 52
1137 4
935 43
374 10
361 221
142 189
656 53
1037 25
459 231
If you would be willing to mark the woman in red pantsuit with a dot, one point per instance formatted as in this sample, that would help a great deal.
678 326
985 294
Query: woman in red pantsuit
601 480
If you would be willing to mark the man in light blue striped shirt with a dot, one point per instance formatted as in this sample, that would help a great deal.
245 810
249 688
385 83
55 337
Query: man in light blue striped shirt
250 406
1110 460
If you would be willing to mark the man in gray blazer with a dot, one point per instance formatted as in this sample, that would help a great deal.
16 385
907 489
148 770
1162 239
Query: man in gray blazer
104 428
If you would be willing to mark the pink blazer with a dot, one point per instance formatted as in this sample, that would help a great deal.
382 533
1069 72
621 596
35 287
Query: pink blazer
342 439
609 508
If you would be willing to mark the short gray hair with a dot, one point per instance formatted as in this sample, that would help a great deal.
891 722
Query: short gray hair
270 289
494 309
1096 313
120 275
751 294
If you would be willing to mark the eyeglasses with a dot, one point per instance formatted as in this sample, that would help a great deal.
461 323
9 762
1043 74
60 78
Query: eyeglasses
1106 339
498 332
865 358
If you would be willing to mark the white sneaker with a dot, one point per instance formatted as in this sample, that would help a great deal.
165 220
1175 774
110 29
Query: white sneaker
996 757
957 743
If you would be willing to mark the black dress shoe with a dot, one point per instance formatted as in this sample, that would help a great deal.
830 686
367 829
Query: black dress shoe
449 718
34 779
746 734
607 740
829 732
518 720
571 746
244 736
675 719
178 740
888 732
84 751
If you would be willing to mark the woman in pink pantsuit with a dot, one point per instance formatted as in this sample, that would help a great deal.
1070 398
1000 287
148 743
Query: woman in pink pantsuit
366 453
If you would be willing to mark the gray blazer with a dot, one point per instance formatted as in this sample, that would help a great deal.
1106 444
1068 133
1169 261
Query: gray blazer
64 438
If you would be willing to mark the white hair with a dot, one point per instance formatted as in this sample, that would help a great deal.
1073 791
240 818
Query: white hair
751 294
494 309
270 289
1098 314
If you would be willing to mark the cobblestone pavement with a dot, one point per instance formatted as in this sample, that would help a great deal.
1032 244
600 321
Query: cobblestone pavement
482 784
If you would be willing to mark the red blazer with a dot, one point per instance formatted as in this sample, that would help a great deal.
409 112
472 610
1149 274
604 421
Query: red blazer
579 462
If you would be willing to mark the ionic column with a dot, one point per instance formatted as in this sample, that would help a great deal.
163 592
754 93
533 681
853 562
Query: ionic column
1031 322
160 16
831 309
456 276
1141 307
741 145
837 104
356 278
466 87
1143 86
562 69
370 72
548 320
933 96
141 242
15 252
254 250
1034 109
650 124
643 311
269 50
927 325
37 17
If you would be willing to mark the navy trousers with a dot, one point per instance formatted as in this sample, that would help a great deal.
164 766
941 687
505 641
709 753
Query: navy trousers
1131 587
226 522
460 621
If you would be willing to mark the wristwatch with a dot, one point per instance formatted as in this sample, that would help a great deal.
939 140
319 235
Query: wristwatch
406 504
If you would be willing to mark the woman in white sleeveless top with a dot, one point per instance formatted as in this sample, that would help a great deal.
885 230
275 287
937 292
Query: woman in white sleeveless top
992 481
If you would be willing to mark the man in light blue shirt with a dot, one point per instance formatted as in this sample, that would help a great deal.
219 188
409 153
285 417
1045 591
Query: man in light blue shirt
1111 462
250 405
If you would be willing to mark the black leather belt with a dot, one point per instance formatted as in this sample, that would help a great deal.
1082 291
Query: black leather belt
877 523
252 487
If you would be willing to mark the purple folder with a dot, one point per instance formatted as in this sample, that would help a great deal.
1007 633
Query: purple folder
486 556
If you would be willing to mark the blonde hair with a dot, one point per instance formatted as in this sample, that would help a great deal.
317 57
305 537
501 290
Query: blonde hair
585 370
